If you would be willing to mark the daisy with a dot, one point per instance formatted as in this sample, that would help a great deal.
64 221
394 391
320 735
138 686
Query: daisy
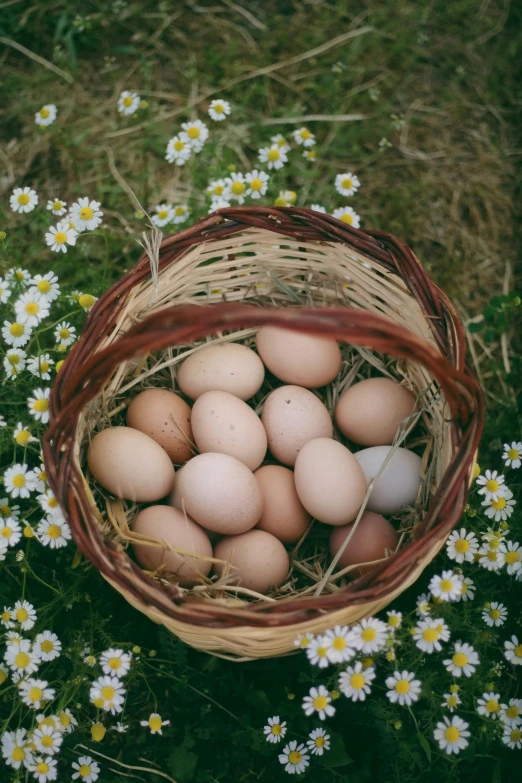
491 485
236 187
319 742
347 215
14 748
53 532
22 658
87 301
302 640
155 723
121 728
512 455
511 715
31 308
370 635
16 334
25 614
4 675
61 235
3 422
257 183
10 530
14 361
403 688
46 115
98 731
304 136
462 546
340 644
57 207
18 275
48 646
274 157
23 200
164 214
8 511
218 203
49 503
216 188
501 508
463 661
108 693
318 652
318 208
512 737
67 721
19 481
275 729
452 734
494 614
44 769
491 559
38 405
318 701
347 184
41 476
309 154
86 215
429 634
5 291
489 705
446 587
128 103
3 549
6 617
86 769
513 651
394 619
218 109
355 682
40 366
512 552
46 284
65 333
468 590
285 198
181 213
35 692
279 141
116 662
88 657
451 701
294 757
178 151
194 133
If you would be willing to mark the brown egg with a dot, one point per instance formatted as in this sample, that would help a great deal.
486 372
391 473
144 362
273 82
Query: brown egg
298 358
165 418
284 516
229 367
292 416
329 481
130 465
166 524
259 561
373 538
370 412
219 492
225 424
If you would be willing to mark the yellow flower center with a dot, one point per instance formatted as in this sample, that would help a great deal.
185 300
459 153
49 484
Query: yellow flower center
59 366
16 330
86 300
28 532
452 734
256 184
322 652
178 146
492 555
237 188
499 504
347 183
430 635
180 211
44 367
492 485
5 511
357 681
163 213
6 616
32 308
294 757
219 108
86 213
393 621
347 218
320 702
42 768
369 634
35 694
459 659
98 702
512 557
65 719
57 206
43 286
513 454
18 481
22 660
47 646
218 190
155 723
22 615
108 693
305 134
492 706
518 651
305 641
193 132
23 437
42 475
23 199
44 113
367 662
41 405
513 711
462 545
127 101
516 735
280 202
273 154
452 701
85 770
494 614
276 729
339 643
18 754
320 742
54 531
60 237
402 686
3 676
446 585
114 663
98 732
64 334
7 532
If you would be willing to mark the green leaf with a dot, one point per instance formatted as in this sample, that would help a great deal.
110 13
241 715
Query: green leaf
476 326
182 761
489 313
77 559
497 773
337 755
425 745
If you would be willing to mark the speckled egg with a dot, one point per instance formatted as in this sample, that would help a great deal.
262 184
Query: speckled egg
258 560
228 367
299 359
164 417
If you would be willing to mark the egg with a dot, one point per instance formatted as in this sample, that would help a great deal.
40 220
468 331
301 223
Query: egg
130 465
292 416
227 367
370 412
165 418
399 483
298 358
372 539
225 424
166 524
219 492
329 481
284 516
259 560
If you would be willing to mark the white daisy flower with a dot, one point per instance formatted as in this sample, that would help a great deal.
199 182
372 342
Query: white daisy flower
370 635
194 133
38 405
18 275
3 422
491 559
31 308
86 215
3 554
10 530
181 213
452 734
275 157
236 187
341 644
285 198
319 701
23 200
5 291
8 511
121 728
43 768
275 729
14 362
164 214
46 115
491 485
446 587
116 662
463 661
302 640
25 614
13 637
318 742
48 646
468 590
65 333
355 681
512 552
257 182
430 633
128 103
41 476
178 151
451 701
57 206
15 748
34 693
87 770
61 235
318 208
512 737
294 757
218 109
16 334
494 614
310 155
88 657
512 455
279 141
511 715
19 481
49 503
462 546
22 658
108 693
394 619
46 284
513 651
67 721
217 188
304 136
347 184
155 723
489 705
87 301
501 508
218 203
53 532
40 366
347 215
404 689
317 651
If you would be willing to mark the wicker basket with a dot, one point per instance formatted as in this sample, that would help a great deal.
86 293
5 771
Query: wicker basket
221 279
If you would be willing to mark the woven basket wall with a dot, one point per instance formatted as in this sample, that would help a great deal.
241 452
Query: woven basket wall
222 279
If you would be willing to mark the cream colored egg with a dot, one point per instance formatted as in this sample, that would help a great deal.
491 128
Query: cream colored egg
165 418
284 516
373 539
329 481
298 358
370 412
130 465
219 492
225 424
258 560
228 367
399 483
292 416
172 528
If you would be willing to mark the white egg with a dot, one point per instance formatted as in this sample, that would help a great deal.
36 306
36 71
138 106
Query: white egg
399 483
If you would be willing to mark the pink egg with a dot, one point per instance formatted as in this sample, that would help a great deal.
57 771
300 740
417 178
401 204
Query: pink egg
284 516
298 358
258 560
373 539
370 412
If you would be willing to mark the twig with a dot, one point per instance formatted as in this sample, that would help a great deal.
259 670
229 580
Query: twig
503 337
37 58
313 118
122 182
243 11
127 766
